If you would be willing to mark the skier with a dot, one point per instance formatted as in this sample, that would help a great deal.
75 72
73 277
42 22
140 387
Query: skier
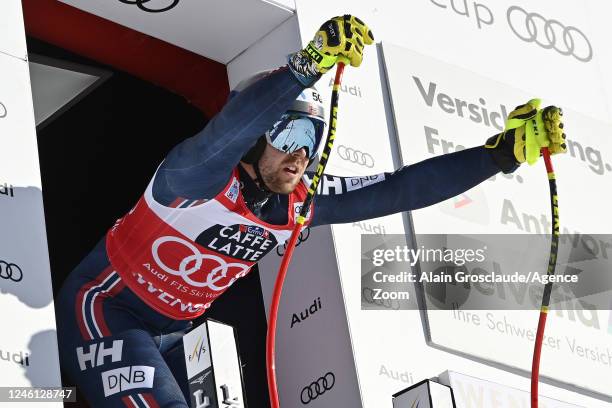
226 197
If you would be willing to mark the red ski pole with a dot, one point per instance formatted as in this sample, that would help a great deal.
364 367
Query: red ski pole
552 262
301 219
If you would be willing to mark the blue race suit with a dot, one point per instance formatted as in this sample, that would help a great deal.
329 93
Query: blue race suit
124 306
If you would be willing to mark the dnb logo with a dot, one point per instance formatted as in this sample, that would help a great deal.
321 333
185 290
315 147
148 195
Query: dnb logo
153 6
127 378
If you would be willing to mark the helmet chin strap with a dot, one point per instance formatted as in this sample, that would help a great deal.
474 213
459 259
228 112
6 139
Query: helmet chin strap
259 180
256 193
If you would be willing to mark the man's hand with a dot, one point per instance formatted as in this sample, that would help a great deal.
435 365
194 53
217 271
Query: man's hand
338 39
528 129
341 38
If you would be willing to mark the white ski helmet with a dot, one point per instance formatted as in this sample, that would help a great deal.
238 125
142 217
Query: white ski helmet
302 126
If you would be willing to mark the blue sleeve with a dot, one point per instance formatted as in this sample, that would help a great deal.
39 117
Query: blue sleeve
200 166
349 199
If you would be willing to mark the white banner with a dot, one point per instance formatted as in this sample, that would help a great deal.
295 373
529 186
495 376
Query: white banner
213 366
391 349
426 394
471 392
12 35
28 347
314 356
226 364
438 108
218 30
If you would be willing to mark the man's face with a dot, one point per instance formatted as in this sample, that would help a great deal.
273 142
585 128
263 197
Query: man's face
280 171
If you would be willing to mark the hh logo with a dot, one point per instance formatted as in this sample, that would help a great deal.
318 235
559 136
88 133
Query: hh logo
97 353
127 378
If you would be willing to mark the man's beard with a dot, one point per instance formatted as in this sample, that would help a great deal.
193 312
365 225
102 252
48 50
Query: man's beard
273 180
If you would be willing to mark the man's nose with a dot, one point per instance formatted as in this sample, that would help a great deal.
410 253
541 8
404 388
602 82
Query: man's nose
300 152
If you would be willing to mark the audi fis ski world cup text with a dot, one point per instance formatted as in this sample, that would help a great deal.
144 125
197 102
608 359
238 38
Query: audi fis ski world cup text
528 26
168 298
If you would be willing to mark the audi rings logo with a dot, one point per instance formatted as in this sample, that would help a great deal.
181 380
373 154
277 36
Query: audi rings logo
10 271
153 6
549 33
3 111
355 156
367 294
213 276
317 388
280 250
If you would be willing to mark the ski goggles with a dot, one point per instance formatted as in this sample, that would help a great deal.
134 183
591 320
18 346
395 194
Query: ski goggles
294 132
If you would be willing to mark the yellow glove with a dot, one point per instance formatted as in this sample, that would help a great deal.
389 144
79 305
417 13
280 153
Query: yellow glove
341 38
528 129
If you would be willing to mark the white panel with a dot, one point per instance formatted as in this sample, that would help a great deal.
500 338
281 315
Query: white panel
417 396
218 30
390 348
268 53
600 32
428 394
226 366
289 4
12 36
439 107
428 94
440 395
312 343
197 353
569 342
433 27
471 392
362 126
26 291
